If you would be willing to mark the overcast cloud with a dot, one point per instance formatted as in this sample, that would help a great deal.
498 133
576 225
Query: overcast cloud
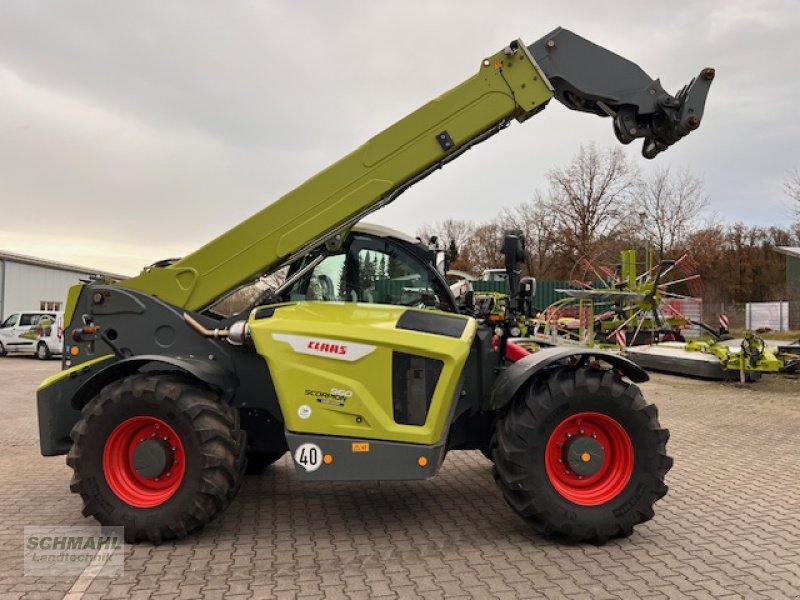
135 131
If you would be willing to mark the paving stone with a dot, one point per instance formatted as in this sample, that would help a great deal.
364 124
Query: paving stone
726 529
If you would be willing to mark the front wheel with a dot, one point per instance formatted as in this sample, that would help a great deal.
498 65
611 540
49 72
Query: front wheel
42 351
581 456
157 454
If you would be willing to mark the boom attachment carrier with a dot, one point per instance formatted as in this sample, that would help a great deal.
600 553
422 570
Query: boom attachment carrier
515 83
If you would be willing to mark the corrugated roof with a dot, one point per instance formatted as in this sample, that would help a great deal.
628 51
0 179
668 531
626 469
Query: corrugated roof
51 264
789 250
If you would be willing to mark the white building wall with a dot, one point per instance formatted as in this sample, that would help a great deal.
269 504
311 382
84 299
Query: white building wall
27 285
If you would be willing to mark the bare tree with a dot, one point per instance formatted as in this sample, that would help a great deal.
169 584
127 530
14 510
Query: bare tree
482 249
453 234
669 207
792 189
590 197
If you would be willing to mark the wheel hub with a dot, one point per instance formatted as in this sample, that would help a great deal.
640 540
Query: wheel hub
584 455
589 458
152 457
144 461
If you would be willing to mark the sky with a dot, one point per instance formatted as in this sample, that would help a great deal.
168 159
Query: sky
136 131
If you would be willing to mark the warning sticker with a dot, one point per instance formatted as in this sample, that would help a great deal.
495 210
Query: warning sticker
360 446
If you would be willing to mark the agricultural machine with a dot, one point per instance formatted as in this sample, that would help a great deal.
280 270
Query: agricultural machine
644 315
360 364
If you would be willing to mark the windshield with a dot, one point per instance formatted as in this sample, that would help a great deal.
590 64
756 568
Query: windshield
10 321
375 271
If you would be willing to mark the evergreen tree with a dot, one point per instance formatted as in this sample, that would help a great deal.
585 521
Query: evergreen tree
366 271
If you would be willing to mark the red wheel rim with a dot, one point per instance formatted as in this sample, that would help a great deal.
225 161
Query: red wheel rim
611 475
125 481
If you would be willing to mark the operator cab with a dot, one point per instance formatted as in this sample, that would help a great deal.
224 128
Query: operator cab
375 265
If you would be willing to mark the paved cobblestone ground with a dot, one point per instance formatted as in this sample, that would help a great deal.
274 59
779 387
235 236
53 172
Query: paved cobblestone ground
729 528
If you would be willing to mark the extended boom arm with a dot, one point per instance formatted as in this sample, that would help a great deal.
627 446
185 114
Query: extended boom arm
515 83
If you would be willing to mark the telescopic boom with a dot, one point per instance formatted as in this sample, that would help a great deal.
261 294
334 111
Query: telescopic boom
516 83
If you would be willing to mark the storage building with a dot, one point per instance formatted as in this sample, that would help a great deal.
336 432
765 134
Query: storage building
28 283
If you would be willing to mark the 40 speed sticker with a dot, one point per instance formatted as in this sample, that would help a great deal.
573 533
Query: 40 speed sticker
308 456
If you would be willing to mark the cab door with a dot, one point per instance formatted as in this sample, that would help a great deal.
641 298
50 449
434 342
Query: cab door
26 334
9 332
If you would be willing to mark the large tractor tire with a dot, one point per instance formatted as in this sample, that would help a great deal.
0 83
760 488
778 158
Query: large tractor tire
157 454
581 456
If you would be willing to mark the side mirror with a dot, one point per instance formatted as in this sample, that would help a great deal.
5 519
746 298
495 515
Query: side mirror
469 301
438 255
514 252
527 294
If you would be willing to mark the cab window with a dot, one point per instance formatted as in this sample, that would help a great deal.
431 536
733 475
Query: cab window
28 319
374 271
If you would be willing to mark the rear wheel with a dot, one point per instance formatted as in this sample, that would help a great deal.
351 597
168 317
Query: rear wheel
581 456
3 351
42 351
158 455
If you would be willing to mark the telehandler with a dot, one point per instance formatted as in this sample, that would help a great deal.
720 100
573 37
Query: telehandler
361 364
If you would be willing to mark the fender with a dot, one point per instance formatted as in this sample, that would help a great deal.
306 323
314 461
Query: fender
215 376
61 398
522 371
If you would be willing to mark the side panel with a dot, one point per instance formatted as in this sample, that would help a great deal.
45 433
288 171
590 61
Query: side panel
329 458
350 370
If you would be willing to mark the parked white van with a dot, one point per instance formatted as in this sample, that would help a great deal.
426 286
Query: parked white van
37 331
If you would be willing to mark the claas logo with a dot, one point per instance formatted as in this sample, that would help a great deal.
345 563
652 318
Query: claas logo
327 348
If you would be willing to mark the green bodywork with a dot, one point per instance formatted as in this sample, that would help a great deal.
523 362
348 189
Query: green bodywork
754 355
331 364
73 371
73 293
505 87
